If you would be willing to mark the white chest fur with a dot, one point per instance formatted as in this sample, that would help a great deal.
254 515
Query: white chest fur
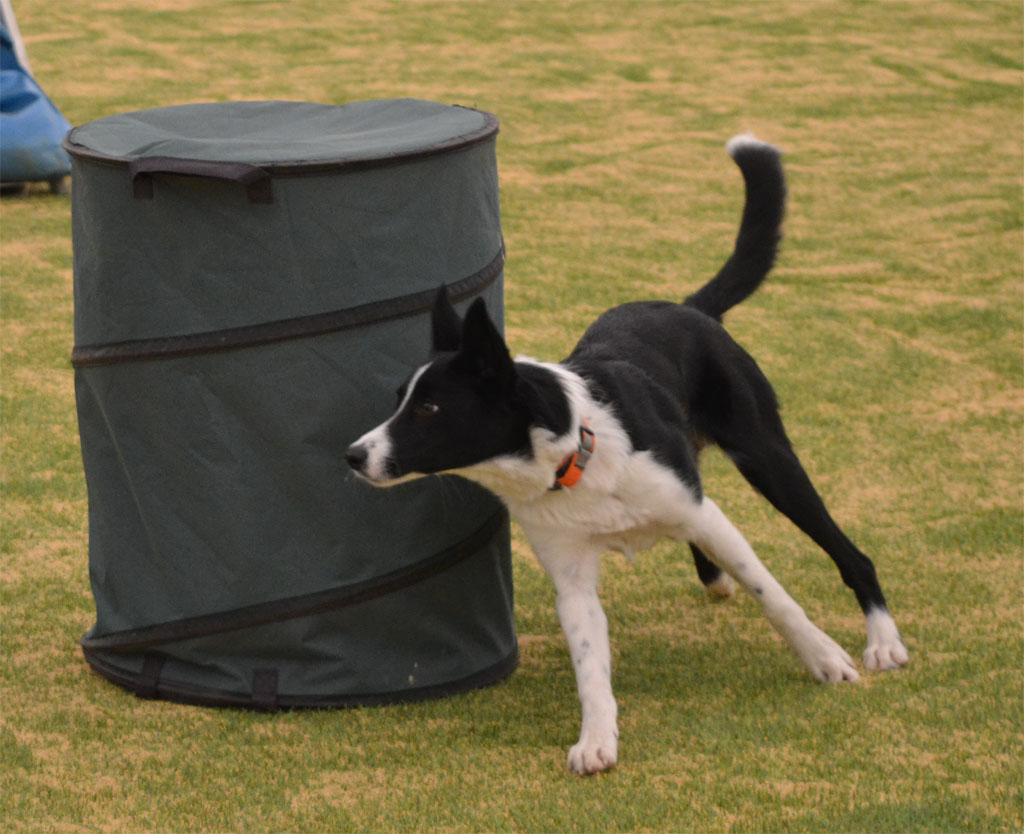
628 510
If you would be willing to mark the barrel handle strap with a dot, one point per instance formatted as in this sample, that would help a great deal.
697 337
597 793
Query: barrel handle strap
254 179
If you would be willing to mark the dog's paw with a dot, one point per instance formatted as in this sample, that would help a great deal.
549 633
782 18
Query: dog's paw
882 658
594 752
723 587
826 659
885 649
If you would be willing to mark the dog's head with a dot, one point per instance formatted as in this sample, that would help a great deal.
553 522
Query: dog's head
469 405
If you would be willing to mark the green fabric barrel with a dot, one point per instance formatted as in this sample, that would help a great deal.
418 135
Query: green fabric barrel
253 280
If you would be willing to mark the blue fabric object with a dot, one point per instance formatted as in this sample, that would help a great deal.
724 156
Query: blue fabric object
31 127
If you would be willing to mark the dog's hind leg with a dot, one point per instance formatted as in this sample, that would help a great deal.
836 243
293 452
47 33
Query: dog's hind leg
714 534
717 581
774 470
733 404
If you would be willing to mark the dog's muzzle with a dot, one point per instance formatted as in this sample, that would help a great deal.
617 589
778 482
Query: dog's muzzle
370 458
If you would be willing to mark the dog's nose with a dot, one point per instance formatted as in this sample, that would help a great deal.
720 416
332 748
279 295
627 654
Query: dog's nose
356 456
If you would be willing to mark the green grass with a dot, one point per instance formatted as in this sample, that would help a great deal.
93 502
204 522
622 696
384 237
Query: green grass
891 328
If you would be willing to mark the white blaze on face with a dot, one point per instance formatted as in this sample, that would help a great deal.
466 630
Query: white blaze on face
377 442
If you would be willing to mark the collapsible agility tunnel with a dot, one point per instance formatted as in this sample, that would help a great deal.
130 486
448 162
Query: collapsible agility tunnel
253 280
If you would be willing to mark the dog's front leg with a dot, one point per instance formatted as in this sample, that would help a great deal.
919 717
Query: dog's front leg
586 630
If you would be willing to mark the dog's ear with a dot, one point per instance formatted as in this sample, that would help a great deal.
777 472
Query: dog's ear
545 400
483 348
445 324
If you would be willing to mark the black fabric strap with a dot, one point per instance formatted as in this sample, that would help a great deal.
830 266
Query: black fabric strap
148 683
374 312
255 181
141 639
264 689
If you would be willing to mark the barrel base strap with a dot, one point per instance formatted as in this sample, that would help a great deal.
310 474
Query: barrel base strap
148 684
264 689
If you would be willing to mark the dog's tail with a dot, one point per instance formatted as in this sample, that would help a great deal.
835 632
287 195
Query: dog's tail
760 229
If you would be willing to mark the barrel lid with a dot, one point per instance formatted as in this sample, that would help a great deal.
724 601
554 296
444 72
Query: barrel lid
284 135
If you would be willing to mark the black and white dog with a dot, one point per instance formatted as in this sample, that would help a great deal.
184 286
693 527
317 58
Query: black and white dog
599 453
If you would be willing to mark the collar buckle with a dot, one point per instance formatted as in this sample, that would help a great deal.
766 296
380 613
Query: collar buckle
571 468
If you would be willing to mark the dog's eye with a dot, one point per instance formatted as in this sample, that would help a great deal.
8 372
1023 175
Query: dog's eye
426 409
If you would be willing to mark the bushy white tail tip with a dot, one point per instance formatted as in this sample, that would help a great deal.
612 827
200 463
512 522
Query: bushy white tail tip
745 141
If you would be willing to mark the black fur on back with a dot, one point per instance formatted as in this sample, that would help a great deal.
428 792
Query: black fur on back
675 364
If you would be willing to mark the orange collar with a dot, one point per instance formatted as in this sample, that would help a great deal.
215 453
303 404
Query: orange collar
570 470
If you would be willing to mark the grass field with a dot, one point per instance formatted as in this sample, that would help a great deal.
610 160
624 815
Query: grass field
891 328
